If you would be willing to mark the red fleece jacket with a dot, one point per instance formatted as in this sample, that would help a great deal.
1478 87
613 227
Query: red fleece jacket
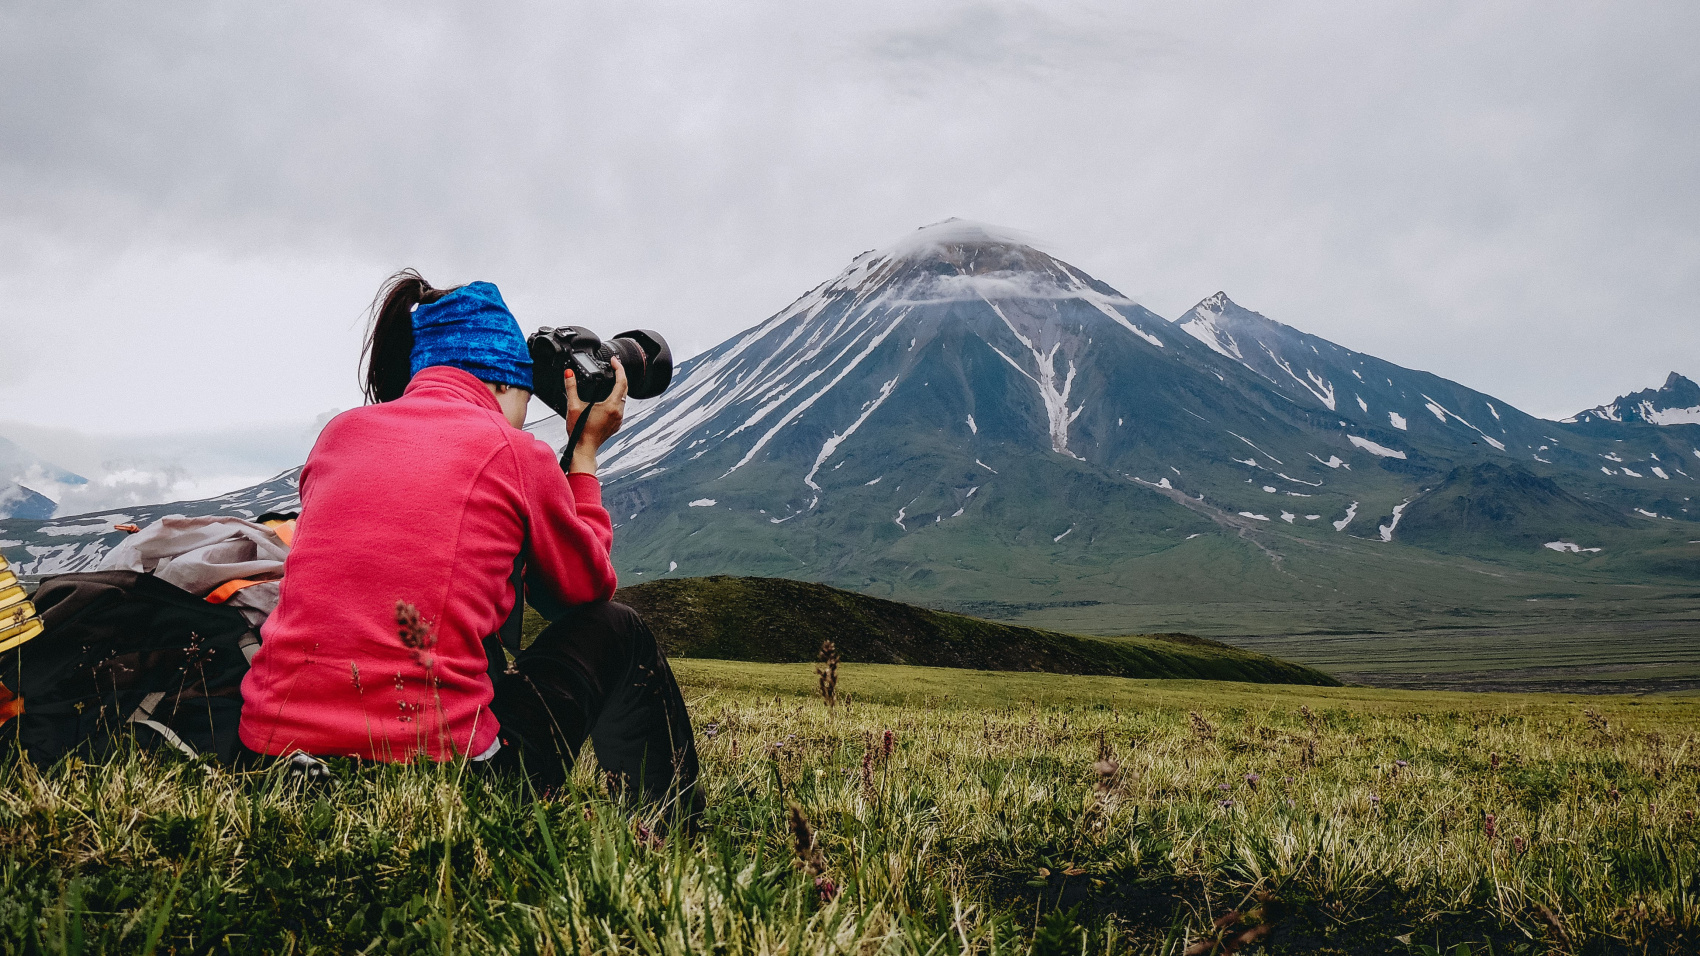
427 500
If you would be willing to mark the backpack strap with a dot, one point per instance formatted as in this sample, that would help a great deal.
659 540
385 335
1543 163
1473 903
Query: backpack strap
144 715
228 589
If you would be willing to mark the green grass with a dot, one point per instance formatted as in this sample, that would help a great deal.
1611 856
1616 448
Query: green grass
1016 812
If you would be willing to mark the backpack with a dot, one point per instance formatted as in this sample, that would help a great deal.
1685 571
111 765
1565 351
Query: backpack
124 649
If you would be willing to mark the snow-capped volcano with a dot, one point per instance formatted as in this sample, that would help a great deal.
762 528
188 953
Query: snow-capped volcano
962 414
961 390
1677 402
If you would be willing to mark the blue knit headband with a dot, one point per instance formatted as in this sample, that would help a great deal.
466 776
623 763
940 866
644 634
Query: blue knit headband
471 329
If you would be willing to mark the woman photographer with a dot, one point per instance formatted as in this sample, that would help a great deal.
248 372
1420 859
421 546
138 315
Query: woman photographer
419 511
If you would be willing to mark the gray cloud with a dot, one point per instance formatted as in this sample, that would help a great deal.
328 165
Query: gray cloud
198 200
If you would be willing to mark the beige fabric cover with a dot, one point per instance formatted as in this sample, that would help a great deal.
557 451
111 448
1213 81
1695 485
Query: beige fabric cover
199 554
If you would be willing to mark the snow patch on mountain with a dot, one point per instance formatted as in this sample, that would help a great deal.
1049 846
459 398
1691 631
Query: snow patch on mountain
1670 416
1202 324
1374 448
1316 384
1055 399
1398 512
1254 446
1105 304
1442 413
838 439
804 405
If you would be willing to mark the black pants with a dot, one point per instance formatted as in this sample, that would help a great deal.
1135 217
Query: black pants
596 673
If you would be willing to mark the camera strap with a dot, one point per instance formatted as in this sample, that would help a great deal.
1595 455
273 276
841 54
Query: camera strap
572 439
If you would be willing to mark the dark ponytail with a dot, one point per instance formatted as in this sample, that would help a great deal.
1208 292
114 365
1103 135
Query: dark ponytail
389 344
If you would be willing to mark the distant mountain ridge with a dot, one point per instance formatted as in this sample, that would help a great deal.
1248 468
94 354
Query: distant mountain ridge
30 486
1360 387
1677 402
960 417
79 542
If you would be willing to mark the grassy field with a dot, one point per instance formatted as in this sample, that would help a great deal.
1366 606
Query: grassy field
937 811
1581 637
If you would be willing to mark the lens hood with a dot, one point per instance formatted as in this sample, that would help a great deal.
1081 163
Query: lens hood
654 371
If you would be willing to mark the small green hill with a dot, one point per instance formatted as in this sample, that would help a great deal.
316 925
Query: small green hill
776 620
1487 506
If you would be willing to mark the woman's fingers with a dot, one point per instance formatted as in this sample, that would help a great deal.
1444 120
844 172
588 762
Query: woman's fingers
611 411
621 386
606 415
575 405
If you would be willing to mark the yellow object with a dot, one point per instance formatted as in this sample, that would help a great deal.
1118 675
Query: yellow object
18 620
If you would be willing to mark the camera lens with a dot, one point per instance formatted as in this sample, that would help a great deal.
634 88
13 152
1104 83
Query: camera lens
648 361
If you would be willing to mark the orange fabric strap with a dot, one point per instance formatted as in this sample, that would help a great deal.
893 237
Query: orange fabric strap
229 588
285 531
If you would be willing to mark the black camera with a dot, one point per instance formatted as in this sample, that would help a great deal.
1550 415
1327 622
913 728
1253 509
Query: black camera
647 360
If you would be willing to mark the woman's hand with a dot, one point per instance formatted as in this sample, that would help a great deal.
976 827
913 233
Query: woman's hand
604 421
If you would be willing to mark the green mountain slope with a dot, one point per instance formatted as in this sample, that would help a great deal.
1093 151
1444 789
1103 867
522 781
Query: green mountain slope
778 620
1485 506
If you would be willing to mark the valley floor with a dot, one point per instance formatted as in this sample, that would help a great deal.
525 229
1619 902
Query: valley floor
937 811
1588 641
1633 657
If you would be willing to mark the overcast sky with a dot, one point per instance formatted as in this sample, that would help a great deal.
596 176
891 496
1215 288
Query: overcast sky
197 201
